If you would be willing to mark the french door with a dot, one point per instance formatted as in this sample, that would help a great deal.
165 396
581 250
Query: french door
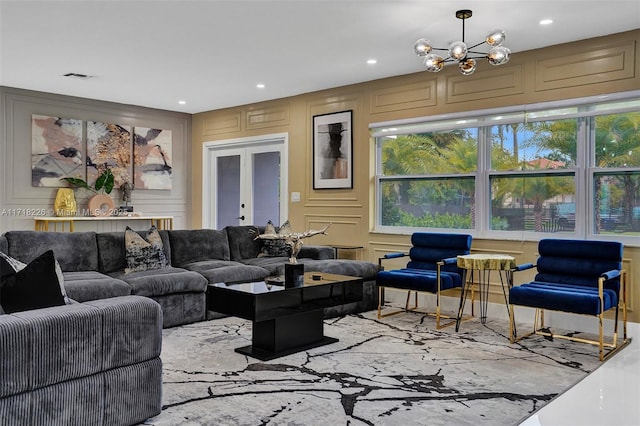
244 181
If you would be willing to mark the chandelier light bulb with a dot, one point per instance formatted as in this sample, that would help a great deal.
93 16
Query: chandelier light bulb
433 62
498 55
468 66
495 37
458 50
422 47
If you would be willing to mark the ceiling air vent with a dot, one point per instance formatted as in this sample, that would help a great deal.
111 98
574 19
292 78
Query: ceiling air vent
77 75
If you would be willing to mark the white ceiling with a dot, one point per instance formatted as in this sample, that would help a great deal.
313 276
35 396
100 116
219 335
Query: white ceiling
212 53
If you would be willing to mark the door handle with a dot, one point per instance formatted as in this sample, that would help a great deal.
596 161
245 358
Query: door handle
241 217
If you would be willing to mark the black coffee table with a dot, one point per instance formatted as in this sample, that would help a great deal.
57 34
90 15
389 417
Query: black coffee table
285 320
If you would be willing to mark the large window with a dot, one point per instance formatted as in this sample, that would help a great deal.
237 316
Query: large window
567 169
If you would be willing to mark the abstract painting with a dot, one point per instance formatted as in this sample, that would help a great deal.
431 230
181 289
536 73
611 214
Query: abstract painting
332 150
108 145
152 158
56 150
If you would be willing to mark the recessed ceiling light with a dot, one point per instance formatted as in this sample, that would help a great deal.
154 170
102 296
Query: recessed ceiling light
546 21
182 102
371 61
260 86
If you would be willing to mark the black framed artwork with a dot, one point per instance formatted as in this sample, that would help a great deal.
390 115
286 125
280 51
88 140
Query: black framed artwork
333 150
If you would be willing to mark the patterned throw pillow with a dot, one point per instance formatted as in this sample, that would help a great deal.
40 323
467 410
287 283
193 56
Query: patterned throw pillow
34 286
146 253
275 247
9 265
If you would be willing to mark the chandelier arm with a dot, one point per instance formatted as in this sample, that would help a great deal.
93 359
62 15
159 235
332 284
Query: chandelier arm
482 56
476 52
475 45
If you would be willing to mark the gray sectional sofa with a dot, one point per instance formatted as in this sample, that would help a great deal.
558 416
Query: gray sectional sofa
93 266
93 363
96 360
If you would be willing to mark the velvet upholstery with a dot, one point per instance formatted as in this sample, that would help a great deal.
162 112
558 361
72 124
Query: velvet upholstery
421 274
90 285
242 241
182 308
574 276
198 257
87 363
195 245
159 282
567 277
426 251
75 251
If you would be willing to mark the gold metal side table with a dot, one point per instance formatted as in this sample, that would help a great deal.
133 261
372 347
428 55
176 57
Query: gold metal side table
484 264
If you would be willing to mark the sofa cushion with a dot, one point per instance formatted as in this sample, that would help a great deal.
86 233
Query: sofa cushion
198 244
352 268
144 253
33 287
75 251
275 265
159 282
91 285
205 265
235 274
112 253
242 241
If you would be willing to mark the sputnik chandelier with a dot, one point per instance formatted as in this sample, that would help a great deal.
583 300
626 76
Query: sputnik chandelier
459 52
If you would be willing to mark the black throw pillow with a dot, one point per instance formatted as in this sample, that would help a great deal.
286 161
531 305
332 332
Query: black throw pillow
34 287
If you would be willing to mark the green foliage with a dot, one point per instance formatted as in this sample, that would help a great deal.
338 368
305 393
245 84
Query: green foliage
77 183
104 182
437 220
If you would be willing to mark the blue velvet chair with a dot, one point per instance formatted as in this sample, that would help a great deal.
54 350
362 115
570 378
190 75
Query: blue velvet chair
431 269
578 277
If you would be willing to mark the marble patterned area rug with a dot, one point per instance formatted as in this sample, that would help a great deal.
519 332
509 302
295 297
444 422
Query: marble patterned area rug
394 371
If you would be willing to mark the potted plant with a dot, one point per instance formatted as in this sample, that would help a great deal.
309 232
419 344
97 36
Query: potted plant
100 204
105 182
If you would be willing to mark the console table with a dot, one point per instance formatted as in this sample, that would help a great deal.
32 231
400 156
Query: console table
50 223
484 264
338 247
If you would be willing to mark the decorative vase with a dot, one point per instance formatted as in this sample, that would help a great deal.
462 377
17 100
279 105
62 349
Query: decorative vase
65 203
101 205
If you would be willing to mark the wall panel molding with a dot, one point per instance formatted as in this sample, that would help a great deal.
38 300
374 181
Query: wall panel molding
262 118
586 66
403 97
227 123
489 84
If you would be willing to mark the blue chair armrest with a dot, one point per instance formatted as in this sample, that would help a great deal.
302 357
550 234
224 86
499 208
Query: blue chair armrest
614 273
393 255
449 261
523 267
389 256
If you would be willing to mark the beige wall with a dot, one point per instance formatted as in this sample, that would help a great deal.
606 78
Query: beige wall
586 68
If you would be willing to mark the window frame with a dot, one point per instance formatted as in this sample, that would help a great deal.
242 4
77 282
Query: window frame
584 110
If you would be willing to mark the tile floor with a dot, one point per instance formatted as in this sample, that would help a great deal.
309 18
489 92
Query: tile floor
608 396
